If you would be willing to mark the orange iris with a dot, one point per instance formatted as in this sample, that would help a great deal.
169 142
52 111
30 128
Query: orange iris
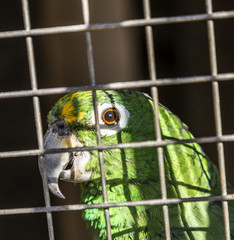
110 116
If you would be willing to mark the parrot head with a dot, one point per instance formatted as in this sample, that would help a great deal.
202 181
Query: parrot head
71 123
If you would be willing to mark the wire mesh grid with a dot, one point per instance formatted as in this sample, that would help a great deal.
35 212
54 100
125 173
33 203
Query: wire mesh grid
153 83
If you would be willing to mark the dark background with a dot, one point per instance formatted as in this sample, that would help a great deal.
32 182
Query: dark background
120 55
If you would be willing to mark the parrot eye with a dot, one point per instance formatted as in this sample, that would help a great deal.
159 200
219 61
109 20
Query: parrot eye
112 119
110 116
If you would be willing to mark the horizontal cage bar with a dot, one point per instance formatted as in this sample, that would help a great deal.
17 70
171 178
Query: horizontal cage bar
76 207
35 152
119 85
123 24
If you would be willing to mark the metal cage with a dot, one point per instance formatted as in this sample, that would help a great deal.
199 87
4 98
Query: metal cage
153 83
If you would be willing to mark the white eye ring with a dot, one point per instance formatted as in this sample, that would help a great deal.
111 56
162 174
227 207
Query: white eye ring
108 130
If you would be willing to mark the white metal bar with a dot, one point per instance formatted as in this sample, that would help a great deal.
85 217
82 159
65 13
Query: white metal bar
122 24
36 152
86 16
217 116
37 112
79 207
154 92
119 85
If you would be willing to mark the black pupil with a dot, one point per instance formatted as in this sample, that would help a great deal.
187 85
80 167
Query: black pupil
110 116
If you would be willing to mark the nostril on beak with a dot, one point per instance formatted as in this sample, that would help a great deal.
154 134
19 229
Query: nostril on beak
61 125
61 128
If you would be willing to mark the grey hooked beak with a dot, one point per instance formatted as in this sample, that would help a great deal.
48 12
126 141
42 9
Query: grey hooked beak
58 135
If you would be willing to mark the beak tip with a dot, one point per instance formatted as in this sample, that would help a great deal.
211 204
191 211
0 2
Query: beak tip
55 190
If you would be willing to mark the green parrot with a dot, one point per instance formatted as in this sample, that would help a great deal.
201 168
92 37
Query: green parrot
132 174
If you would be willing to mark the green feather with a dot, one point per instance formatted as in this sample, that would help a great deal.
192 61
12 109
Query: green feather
132 174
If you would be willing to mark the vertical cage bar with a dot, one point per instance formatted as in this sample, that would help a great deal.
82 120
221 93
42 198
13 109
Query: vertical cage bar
36 107
217 115
85 7
154 92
